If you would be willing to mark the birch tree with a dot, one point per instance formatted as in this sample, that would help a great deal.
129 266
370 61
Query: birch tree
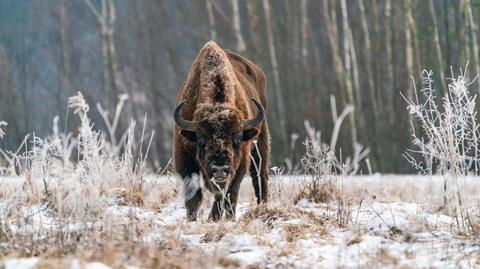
236 27
211 20
368 59
473 30
106 17
408 45
436 41
65 44
388 65
347 58
276 76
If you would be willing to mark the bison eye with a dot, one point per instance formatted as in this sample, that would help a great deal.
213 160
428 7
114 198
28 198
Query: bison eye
237 140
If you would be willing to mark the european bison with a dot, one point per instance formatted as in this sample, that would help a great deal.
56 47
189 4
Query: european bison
220 111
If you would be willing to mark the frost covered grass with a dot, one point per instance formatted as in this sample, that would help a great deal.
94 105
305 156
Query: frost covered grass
448 143
68 184
86 199
392 224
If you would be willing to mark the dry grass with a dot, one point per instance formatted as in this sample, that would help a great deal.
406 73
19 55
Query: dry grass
319 192
116 240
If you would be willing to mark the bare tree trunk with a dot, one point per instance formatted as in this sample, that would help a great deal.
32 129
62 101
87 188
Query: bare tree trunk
409 48
276 76
376 61
462 26
347 51
332 34
353 57
306 70
237 28
64 41
416 46
116 78
106 18
388 49
211 20
368 57
254 23
63 81
107 74
473 29
106 68
304 32
436 40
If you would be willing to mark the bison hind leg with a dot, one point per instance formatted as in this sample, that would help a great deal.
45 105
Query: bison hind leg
259 168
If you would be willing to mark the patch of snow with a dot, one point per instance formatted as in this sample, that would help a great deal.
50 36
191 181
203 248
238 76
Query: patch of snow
243 240
96 265
248 257
23 263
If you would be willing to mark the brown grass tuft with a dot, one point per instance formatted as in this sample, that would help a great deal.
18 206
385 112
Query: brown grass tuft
266 214
319 192
214 235
229 262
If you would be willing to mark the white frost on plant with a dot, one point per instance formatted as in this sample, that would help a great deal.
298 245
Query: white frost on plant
77 103
450 133
421 238
447 141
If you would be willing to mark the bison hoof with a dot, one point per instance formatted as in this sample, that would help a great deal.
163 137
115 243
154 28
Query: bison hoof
231 216
191 218
214 216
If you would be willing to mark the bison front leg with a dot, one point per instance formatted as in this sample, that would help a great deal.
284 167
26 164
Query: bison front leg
228 202
186 166
193 200
217 208
259 165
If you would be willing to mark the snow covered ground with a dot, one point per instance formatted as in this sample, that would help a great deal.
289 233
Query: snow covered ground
385 222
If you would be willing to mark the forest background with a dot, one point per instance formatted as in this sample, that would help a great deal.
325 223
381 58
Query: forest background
363 52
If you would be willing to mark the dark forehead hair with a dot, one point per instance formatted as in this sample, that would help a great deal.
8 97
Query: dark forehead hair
218 119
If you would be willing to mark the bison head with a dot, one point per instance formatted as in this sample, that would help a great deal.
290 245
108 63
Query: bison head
219 132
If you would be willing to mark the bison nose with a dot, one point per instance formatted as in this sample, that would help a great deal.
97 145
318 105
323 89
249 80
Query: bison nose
220 171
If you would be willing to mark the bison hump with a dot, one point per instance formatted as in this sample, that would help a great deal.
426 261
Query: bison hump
217 75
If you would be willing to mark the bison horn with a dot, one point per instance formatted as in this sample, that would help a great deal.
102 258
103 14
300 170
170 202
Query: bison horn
183 123
249 124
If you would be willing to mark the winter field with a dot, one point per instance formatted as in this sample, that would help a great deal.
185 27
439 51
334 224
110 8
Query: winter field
87 200
386 221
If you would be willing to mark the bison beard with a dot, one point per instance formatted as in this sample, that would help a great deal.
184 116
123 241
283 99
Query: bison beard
217 118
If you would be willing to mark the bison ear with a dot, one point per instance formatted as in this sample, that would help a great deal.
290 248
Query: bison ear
192 136
249 134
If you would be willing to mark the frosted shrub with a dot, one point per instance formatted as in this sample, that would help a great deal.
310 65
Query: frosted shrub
322 165
318 164
447 140
74 179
